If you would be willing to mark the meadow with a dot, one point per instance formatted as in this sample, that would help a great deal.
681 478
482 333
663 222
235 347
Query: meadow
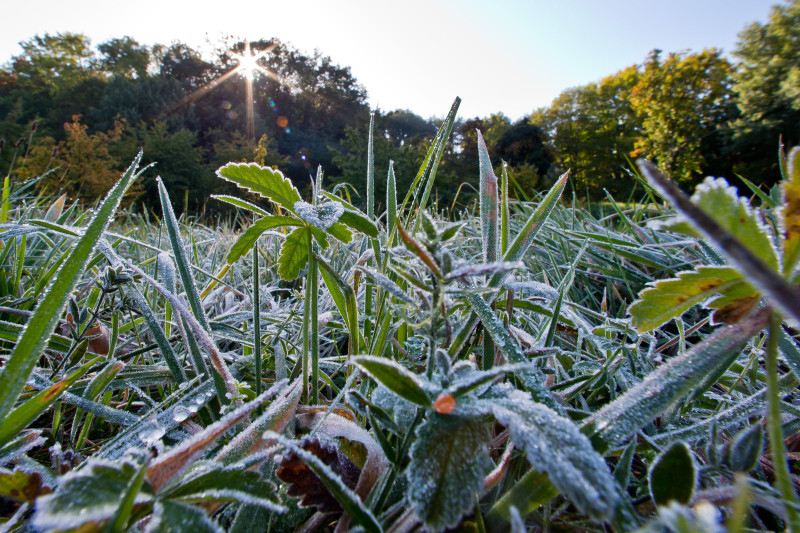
529 363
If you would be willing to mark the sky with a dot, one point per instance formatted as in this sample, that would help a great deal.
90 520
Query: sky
509 56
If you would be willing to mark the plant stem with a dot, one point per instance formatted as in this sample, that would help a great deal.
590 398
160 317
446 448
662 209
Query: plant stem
783 480
312 278
256 321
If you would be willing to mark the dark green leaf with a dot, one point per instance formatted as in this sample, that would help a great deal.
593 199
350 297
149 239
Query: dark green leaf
394 377
673 476
294 254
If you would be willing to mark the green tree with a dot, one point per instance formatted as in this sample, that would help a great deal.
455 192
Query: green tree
682 99
767 86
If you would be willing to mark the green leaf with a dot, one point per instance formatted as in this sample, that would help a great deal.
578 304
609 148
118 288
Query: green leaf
528 494
721 202
673 476
345 299
90 495
667 299
248 239
321 216
623 417
264 181
225 485
359 222
489 200
294 254
449 461
32 408
746 448
782 295
238 202
341 232
532 378
555 445
42 323
169 517
391 200
396 378
119 521
790 211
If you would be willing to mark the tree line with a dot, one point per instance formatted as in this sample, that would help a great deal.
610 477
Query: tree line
78 113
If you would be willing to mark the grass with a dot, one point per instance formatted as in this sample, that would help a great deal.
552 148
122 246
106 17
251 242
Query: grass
524 365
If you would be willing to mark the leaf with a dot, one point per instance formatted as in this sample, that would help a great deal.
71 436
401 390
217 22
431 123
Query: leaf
640 404
343 494
294 254
20 445
746 449
341 232
394 377
386 284
391 200
345 299
174 462
22 486
304 484
238 202
264 181
89 495
225 485
783 295
673 476
490 219
532 378
667 299
554 444
169 517
248 239
359 222
721 202
529 493
790 211
29 411
275 418
42 323
119 521
449 461
321 216
417 249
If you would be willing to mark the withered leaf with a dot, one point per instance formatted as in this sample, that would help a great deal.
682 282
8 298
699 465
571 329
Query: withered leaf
303 483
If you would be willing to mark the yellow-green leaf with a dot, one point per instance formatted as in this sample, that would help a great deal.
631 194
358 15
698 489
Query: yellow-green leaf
294 254
264 181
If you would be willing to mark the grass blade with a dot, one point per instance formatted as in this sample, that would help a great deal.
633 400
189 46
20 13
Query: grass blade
41 325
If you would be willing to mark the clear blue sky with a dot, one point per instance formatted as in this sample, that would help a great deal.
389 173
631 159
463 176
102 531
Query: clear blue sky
505 55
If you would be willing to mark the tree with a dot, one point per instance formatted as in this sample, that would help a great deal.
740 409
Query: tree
593 130
681 100
767 86
124 58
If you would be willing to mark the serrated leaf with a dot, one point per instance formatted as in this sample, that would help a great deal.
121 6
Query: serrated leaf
359 222
89 495
264 181
341 232
294 254
247 240
395 377
790 211
321 216
449 461
667 299
554 444
169 517
673 476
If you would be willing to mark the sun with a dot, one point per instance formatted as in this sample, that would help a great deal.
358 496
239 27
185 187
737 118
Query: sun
248 62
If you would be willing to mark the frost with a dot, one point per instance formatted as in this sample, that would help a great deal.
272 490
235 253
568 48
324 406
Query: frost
449 461
151 433
322 216
554 444
181 413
